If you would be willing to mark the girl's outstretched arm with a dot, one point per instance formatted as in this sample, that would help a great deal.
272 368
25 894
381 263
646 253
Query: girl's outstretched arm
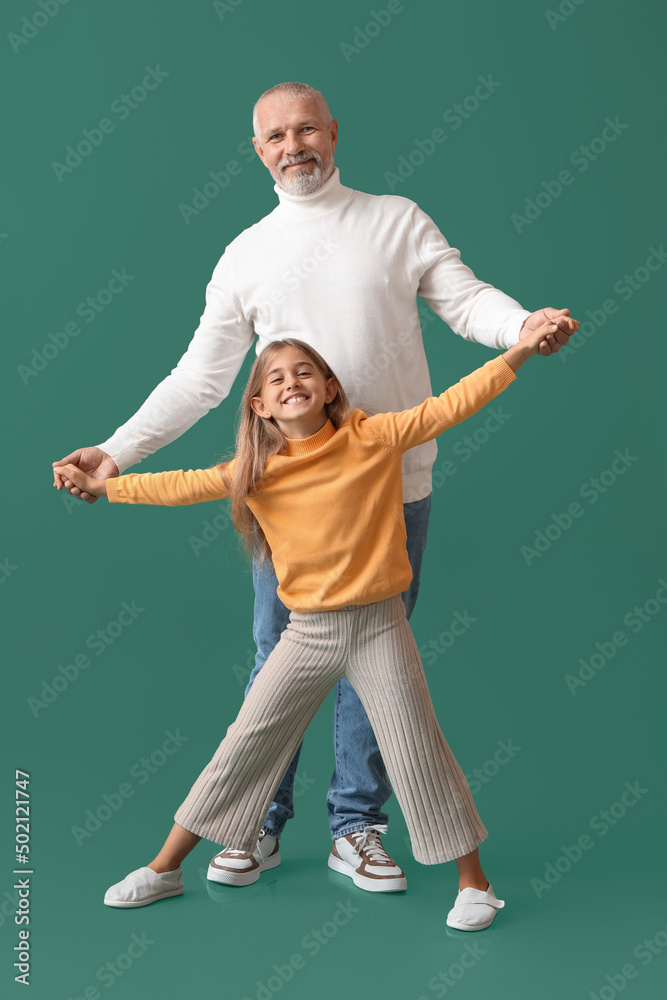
169 489
424 422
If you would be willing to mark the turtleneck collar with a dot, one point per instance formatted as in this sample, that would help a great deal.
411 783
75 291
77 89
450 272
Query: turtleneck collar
331 195
304 446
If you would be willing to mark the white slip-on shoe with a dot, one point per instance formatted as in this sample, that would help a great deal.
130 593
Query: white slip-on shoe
362 857
474 909
144 886
232 867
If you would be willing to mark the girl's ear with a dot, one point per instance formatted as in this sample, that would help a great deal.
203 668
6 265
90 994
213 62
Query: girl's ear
331 390
259 408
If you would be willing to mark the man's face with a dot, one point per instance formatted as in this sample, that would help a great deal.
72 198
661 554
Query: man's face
296 143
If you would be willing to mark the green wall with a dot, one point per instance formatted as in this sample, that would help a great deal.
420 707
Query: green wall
564 661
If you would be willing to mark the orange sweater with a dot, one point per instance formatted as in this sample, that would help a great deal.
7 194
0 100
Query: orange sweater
332 507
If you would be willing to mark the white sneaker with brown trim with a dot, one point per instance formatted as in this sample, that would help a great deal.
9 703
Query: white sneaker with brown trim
362 857
244 867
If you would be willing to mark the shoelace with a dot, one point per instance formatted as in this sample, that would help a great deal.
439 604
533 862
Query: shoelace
367 840
236 853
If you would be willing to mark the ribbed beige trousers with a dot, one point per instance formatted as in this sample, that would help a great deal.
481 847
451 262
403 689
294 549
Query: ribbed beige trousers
372 646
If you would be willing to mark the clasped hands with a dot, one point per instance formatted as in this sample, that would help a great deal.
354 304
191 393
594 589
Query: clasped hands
552 342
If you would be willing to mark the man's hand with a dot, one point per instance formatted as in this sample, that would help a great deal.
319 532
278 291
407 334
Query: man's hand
552 342
93 461
85 485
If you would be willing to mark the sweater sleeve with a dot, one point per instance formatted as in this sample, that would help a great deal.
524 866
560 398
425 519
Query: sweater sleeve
201 380
170 489
475 310
436 414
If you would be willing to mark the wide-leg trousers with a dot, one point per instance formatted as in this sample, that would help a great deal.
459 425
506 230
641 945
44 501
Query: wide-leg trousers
372 646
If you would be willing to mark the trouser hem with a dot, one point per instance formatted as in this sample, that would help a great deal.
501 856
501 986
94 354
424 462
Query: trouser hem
440 859
204 831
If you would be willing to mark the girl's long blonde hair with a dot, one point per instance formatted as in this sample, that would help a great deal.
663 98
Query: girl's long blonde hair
259 438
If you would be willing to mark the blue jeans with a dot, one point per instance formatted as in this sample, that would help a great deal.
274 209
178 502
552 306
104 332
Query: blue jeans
359 785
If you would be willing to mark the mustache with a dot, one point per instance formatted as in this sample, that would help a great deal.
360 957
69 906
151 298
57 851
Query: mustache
301 159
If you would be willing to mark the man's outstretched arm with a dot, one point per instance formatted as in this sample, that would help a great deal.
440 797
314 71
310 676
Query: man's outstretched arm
201 380
474 309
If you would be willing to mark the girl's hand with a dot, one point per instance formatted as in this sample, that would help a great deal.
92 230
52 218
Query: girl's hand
95 487
93 461
532 340
530 345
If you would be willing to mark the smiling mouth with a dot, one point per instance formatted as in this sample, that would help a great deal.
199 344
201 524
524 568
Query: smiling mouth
291 400
300 163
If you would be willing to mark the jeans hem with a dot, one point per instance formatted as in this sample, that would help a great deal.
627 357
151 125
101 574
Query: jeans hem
271 831
353 828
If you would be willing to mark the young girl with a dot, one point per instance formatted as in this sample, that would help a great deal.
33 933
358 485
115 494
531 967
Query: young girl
317 489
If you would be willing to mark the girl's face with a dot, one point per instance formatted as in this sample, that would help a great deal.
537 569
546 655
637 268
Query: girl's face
294 393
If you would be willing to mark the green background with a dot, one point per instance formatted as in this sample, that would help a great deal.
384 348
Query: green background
182 664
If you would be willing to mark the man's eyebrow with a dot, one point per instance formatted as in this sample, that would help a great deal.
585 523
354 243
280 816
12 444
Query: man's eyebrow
298 365
279 128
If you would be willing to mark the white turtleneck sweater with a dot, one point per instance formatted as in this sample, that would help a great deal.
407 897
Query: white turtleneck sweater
341 270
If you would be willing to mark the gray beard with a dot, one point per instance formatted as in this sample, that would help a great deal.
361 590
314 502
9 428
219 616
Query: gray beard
304 183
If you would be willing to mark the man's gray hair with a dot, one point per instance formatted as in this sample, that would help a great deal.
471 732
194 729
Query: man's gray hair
292 91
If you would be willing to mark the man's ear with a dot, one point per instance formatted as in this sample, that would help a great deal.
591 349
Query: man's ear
334 134
259 408
258 149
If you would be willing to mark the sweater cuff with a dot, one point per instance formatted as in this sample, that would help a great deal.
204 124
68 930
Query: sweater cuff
505 372
114 494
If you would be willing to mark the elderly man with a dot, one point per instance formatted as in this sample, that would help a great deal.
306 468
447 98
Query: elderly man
342 270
